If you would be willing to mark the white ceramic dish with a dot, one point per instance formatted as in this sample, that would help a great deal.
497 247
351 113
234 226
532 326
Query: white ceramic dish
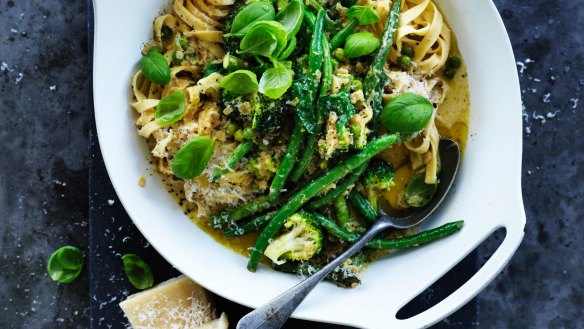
487 194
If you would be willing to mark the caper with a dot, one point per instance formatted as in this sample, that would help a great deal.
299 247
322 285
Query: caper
449 72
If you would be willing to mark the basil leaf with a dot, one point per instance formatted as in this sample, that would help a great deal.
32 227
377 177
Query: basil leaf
417 193
65 264
301 95
171 108
366 15
276 80
137 271
407 113
360 44
289 49
192 158
291 16
155 68
240 82
264 39
254 12
339 103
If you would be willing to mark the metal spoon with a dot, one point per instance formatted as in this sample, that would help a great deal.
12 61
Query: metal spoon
275 313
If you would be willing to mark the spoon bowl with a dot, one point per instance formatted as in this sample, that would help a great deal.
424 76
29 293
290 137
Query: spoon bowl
275 313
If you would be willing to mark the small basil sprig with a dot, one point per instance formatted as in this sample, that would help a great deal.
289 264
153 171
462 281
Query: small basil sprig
276 80
65 264
155 68
407 113
192 158
250 14
365 15
265 38
171 108
137 271
417 193
360 44
240 82
291 16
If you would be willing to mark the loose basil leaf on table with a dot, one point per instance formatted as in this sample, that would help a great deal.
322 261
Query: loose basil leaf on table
137 271
265 38
171 108
192 158
366 15
361 44
155 68
65 264
291 16
252 13
240 82
407 113
417 193
276 80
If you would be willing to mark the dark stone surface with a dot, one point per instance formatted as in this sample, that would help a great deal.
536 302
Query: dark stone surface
44 120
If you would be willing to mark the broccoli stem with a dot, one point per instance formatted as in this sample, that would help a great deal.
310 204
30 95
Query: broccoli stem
240 151
255 206
404 242
310 190
362 205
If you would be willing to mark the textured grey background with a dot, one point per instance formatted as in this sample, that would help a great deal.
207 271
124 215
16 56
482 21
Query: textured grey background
44 120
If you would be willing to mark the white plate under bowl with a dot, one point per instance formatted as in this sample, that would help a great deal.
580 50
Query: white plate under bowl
487 194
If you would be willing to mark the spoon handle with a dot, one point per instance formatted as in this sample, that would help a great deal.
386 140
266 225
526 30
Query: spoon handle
274 314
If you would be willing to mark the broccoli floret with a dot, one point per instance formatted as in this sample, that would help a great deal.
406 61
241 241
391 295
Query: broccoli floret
269 114
302 240
238 108
263 166
377 177
231 44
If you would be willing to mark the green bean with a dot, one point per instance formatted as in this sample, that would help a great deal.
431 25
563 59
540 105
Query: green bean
312 142
287 163
342 212
362 205
255 206
329 24
341 187
398 243
310 190
376 78
315 56
251 226
240 151
340 37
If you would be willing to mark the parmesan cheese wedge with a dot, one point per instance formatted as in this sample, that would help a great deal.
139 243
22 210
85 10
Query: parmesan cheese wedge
178 303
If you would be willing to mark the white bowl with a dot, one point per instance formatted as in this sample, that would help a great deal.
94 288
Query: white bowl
487 194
